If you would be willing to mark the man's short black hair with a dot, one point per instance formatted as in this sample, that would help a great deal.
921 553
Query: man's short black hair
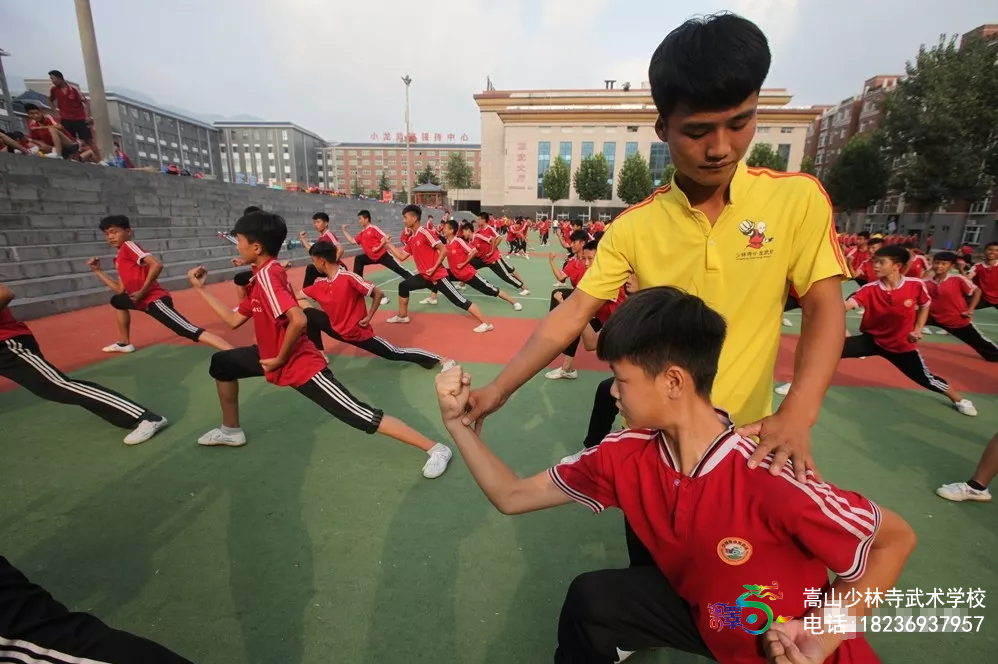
876 240
413 208
578 236
365 214
321 215
894 253
577 222
57 74
452 224
863 234
592 245
266 228
993 243
430 217
115 221
323 249
251 209
483 215
948 256
468 226
598 235
30 107
664 326
710 63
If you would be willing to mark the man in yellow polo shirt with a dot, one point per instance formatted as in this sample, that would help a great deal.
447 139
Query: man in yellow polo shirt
737 237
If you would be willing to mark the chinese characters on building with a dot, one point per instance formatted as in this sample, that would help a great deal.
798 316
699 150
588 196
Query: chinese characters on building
422 137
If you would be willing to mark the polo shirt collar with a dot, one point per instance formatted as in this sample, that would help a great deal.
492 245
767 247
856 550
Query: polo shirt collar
258 270
718 448
737 188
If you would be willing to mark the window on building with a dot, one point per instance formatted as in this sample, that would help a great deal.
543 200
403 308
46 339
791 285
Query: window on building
784 151
587 149
135 112
786 130
762 130
391 153
126 127
543 163
610 152
565 152
660 158
972 234
284 134
981 206
146 116
631 147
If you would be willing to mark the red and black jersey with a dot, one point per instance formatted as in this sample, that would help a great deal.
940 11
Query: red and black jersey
133 272
889 313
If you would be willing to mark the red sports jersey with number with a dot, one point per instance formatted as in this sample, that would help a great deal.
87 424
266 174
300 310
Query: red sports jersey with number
70 102
329 236
857 257
133 272
482 241
917 266
949 299
725 529
422 246
890 313
39 131
268 298
603 313
986 278
368 239
457 253
10 327
341 296
575 268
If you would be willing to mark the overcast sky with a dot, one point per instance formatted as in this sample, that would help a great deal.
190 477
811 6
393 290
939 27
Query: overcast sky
334 66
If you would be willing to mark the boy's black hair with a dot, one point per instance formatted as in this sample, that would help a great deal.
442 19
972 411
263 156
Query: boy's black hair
664 326
876 240
483 215
266 228
598 235
115 221
452 224
430 217
863 234
321 215
578 236
30 107
251 209
592 245
577 222
993 243
57 74
365 214
710 63
413 208
323 249
910 245
948 256
895 253
467 226
16 135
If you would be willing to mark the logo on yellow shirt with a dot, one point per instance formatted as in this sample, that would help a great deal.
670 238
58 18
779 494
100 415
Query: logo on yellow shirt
755 231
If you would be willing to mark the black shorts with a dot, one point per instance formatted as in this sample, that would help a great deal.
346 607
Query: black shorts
323 389
162 310
78 129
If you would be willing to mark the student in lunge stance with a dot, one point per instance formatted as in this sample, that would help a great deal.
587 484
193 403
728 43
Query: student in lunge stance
976 488
583 253
374 242
950 310
895 309
21 361
344 316
137 290
320 221
486 241
459 257
283 355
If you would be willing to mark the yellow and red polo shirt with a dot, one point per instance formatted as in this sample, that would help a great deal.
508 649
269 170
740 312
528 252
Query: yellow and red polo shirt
776 230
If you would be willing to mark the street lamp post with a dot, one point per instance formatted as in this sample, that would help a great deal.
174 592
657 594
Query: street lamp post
95 81
408 144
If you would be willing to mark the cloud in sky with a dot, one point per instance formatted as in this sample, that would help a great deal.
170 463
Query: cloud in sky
334 66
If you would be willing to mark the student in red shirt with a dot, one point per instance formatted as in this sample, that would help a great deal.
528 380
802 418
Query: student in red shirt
895 311
283 354
985 275
459 257
583 254
136 289
544 229
429 253
715 527
343 314
917 264
950 309
49 136
373 241
320 221
21 361
858 255
486 242
74 111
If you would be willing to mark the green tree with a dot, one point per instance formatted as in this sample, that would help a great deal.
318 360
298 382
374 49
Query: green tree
591 179
764 156
634 183
375 194
383 184
941 124
357 191
807 166
403 195
668 172
556 182
427 175
859 177
459 174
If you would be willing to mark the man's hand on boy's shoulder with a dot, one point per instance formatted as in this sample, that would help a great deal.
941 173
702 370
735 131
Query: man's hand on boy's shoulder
787 438
453 387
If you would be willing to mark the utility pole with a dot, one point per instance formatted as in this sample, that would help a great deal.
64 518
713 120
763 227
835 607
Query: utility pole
95 80
408 143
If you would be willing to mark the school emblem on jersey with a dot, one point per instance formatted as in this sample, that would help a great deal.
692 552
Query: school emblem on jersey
909 303
734 550
755 231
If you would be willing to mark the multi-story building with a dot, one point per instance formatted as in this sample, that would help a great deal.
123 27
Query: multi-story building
988 32
524 130
276 153
360 165
871 111
861 114
8 121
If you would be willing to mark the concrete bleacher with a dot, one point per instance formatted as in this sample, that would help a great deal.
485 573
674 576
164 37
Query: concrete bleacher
50 209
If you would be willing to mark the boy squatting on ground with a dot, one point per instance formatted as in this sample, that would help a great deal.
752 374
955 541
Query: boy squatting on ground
283 355
137 290
713 525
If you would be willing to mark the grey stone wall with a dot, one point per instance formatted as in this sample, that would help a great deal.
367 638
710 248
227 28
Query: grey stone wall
49 211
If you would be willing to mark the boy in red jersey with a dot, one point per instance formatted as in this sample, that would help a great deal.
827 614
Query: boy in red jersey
343 314
429 253
917 264
283 355
950 309
858 255
895 310
49 136
486 242
21 361
985 275
544 229
137 290
374 242
74 111
714 525
320 221
583 254
459 257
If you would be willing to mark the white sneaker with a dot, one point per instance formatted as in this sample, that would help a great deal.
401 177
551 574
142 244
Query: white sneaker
926 330
484 327
398 319
218 438
440 456
559 373
940 332
384 301
429 300
524 292
572 458
961 491
119 348
783 390
145 431
787 322
53 155
461 287
966 407
558 284
517 306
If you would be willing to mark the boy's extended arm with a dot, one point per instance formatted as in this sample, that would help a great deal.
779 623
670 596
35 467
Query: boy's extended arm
155 268
233 319
116 286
